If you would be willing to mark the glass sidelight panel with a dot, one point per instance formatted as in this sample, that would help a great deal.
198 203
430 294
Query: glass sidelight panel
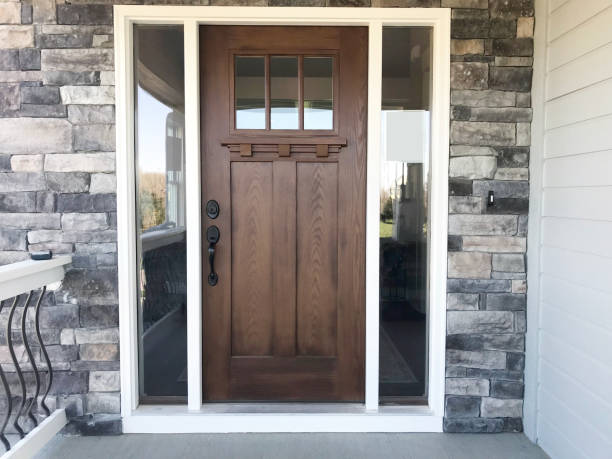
250 92
318 93
284 96
160 211
404 217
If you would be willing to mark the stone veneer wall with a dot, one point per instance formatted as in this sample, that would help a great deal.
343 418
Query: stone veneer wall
57 191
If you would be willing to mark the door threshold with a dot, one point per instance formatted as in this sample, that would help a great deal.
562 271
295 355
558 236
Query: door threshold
277 418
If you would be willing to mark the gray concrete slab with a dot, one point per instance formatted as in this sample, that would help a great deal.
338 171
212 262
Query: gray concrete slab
295 446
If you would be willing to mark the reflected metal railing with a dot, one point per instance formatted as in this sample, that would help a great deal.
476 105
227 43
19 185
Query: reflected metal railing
22 288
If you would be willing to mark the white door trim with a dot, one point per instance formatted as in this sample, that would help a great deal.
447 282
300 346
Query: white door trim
195 417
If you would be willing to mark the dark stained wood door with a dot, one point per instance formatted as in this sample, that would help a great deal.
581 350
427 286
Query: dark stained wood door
286 319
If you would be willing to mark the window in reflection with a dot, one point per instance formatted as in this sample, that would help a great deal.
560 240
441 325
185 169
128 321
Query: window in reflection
318 93
284 97
160 209
404 221
250 92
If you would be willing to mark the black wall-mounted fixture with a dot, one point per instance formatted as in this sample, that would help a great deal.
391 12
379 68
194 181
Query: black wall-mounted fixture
491 199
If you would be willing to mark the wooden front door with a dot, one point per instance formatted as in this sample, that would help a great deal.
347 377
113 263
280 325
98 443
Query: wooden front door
283 131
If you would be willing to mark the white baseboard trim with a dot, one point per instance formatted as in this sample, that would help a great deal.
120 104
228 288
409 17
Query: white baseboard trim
38 437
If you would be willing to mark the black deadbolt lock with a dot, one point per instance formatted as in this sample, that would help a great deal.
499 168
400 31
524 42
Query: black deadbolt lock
212 209
212 234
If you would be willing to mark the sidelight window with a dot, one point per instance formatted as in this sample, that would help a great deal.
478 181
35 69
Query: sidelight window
279 92
404 216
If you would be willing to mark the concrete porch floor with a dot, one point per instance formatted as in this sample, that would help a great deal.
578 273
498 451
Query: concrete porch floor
295 446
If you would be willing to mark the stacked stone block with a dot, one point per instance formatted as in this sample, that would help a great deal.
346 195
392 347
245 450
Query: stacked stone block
57 191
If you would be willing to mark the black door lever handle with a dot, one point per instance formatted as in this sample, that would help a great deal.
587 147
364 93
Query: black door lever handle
212 235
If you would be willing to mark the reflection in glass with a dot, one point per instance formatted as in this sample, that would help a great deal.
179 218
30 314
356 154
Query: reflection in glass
318 93
160 208
284 89
250 92
406 81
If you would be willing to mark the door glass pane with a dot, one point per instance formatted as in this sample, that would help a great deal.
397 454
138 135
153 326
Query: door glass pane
160 211
250 92
404 218
284 92
318 93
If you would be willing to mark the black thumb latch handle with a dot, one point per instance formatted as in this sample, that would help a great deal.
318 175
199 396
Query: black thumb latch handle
212 235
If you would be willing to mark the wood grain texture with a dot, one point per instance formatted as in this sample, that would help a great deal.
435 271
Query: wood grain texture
251 204
317 267
286 322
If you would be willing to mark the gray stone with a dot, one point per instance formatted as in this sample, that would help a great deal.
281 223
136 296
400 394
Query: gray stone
501 28
89 236
45 201
478 285
67 382
67 337
485 98
100 316
469 75
85 14
510 78
89 287
479 322
501 115
40 95
511 8
67 78
44 11
102 402
96 335
89 95
96 248
71 182
494 342
10 13
506 389
26 13
103 183
522 225
473 167
515 361
463 47
52 135
513 61
509 262
512 173
89 114
43 111
474 225
455 372
18 202
29 59
5 163
54 247
523 134
470 150
482 133
483 4
77 60
473 425
62 353
102 365
85 202
105 381
470 27
488 360
502 189
499 244
523 99
11 256
60 316
9 100
507 275
80 162
95 352
27 163
501 408
37 236
84 221
462 301
462 407
64 40
454 243
16 36
464 205
471 265
94 137
467 386
513 47
9 59
519 286
21 181
459 187
11 239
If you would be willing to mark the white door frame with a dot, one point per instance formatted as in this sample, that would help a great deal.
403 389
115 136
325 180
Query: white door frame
196 417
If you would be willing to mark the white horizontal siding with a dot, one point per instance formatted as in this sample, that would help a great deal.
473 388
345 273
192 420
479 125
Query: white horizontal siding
574 336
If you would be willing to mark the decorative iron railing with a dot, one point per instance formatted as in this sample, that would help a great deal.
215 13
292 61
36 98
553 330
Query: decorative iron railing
22 289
